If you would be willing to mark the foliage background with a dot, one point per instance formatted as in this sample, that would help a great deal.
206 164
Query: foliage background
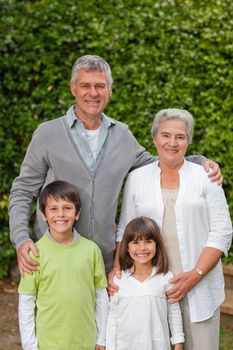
163 53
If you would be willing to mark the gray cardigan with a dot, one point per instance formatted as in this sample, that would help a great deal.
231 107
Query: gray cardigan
52 155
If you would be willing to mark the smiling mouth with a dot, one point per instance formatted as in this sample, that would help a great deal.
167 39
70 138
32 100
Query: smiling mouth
174 150
93 102
60 222
142 255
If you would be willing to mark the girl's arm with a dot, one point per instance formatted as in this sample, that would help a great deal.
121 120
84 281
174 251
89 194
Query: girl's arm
175 321
111 330
101 314
26 313
175 325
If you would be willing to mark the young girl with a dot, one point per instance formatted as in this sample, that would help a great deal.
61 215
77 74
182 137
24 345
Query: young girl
140 317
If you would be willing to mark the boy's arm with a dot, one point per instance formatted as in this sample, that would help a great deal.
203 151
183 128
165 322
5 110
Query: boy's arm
26 314
111 329
101 314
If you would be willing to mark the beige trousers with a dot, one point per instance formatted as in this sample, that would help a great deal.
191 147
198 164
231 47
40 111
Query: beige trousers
200 335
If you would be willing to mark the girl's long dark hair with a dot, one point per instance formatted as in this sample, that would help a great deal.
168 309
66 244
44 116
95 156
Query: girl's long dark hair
143 227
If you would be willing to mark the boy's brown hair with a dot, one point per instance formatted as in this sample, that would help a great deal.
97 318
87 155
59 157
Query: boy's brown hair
60 189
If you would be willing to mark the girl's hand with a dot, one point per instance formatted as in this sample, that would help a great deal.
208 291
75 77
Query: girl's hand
99 347
178 346
182 284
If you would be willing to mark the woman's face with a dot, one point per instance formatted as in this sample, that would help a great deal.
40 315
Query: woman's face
171 141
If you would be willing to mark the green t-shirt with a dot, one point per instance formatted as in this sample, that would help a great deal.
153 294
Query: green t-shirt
64 286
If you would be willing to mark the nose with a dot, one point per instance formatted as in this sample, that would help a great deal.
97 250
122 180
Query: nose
93 91
142 245
60 212
172 141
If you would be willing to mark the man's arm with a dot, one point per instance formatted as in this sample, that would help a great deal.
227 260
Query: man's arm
210 167
24 188
25 262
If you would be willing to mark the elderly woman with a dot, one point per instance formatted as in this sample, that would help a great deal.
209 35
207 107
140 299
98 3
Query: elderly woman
193 215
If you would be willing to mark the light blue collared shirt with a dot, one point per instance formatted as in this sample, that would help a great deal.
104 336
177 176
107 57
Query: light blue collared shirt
79 135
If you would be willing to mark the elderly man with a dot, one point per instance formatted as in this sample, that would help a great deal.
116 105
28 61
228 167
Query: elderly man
88 149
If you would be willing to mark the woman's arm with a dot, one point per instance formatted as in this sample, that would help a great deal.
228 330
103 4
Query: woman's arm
128 211
26 313
218 242
185 281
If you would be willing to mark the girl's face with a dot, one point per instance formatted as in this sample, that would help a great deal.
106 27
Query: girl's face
142 251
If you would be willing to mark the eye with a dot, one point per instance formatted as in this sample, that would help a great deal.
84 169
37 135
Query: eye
101 86
150 242
68 208
134 242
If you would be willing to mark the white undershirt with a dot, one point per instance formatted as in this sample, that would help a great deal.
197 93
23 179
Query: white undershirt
92 139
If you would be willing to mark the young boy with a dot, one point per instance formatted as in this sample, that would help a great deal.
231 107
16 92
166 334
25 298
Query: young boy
64 304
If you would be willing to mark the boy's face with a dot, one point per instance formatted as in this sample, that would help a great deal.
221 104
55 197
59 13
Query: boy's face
60 215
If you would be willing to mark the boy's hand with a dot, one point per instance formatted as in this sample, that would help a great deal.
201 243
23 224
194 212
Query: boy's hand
99 347
178 346
215 173
25 262
113 288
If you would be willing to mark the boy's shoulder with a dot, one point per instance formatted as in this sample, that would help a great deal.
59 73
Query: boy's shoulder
87 243
42 241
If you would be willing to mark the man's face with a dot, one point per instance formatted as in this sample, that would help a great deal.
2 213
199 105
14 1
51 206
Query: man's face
91 94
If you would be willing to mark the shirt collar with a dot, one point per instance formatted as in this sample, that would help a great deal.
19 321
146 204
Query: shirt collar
76 236
72 118
153 272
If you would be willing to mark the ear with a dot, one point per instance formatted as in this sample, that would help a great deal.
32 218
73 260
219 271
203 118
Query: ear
154 140
72 88
77 215
43 216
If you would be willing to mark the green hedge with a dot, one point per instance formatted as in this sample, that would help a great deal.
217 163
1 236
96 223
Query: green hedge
163 53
